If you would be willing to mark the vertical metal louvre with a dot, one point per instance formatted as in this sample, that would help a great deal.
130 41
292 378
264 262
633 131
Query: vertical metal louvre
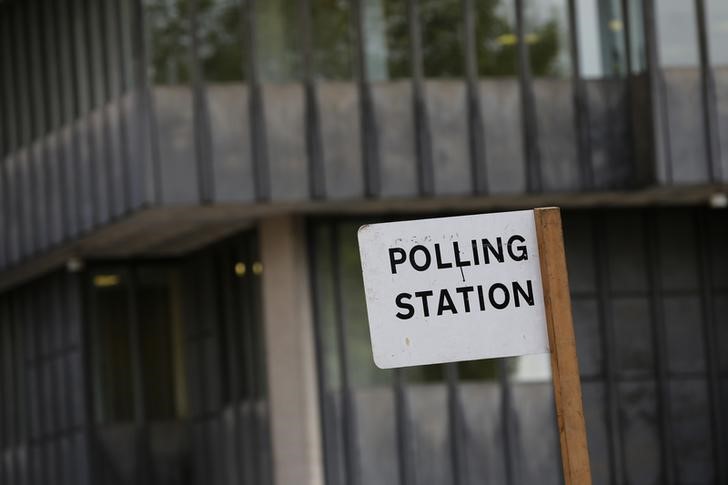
44 421
647 314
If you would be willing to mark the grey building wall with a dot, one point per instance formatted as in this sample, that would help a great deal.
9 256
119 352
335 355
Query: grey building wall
118 106
45 415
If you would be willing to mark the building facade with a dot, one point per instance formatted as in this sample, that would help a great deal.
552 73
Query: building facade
180 187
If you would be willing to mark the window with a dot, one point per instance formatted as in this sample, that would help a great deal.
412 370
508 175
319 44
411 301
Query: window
333 46
717 19
169 40
601 27
137 343
547 36
386 39
677 35
278 40
220 40
442 38
496 41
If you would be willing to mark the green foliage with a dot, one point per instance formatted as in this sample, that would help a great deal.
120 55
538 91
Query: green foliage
169 34
442 38
333 54
220 40
397 38
544 51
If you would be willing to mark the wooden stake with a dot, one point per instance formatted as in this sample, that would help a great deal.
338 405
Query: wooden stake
564 363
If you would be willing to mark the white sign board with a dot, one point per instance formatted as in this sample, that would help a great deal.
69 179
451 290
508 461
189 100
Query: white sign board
453 289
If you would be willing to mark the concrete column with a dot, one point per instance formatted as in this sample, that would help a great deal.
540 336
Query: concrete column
290 353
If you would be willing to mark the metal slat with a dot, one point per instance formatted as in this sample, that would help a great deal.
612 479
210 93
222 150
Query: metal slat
99 158
140 414
4 149
528 106
657 98
629 91
64 81
328 428
664 409
255 361
204 160
710 329
476 126
581 106
609 348
352 472
423 140
455 421
404 430
314 148
121 32
508 425
145 158
708 96
23 116
258 138
369 137
110 109
225 262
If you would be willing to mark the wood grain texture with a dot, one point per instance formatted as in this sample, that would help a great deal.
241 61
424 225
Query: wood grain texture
564 363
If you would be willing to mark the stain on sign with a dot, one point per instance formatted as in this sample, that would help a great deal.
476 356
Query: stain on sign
453 289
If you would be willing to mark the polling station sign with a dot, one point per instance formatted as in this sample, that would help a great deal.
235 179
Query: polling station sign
453 289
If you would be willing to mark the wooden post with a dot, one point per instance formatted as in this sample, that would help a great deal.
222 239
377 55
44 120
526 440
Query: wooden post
564 363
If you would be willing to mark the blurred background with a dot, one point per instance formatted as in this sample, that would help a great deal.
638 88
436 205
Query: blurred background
181 182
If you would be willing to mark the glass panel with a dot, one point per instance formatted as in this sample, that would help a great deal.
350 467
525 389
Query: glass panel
386 39
638 420
478 370
169 40
627 262
581 260
546 33
588 336
633 337
496 39
430 428
530 368
677 34
160 343
690 421
442 38
333 47
717 20
278 40
637 38
677 252
361 364
168 43
326 301
159 354
601 38
220 40
110 316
